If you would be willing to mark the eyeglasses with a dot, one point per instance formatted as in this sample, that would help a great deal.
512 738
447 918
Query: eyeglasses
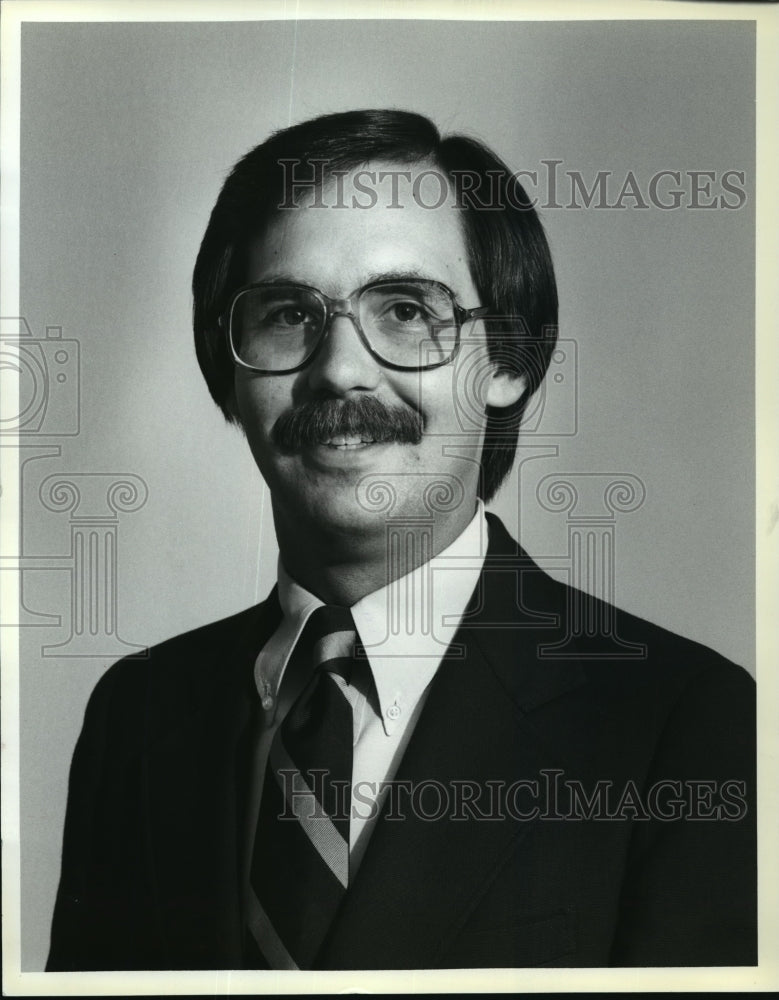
276 328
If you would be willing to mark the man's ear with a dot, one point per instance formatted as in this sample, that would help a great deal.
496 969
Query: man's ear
505 388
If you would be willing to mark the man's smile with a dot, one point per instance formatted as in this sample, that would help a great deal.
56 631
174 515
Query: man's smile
344 454
352 441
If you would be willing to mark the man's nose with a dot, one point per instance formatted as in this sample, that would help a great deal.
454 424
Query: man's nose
343 362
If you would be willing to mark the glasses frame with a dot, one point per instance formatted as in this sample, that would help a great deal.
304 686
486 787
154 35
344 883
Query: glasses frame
346 307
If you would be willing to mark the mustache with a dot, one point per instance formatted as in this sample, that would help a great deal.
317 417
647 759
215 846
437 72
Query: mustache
318 420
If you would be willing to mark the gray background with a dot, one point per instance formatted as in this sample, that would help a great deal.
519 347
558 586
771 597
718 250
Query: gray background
128 131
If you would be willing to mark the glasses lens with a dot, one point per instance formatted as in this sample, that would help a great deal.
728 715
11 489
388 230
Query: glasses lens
275 327
409 323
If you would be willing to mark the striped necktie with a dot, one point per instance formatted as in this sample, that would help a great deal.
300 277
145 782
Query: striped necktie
300 864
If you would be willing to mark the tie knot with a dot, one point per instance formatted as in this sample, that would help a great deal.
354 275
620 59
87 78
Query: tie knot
330 618
332 634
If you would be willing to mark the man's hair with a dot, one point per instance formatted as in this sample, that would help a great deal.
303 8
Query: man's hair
509 257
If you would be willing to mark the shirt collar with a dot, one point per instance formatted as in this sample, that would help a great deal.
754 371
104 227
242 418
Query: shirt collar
405 626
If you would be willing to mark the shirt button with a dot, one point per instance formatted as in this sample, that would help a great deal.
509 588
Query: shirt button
393 712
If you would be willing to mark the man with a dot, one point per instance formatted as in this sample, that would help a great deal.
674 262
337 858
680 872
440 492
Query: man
411 754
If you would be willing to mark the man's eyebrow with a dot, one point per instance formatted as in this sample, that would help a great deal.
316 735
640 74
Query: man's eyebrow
281 278
407 274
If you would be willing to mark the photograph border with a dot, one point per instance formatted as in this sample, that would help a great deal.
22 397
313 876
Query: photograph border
766 975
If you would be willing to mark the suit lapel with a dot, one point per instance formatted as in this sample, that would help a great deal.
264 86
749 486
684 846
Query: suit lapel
195 792
474 728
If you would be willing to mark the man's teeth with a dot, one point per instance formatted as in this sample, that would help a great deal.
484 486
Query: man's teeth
342 440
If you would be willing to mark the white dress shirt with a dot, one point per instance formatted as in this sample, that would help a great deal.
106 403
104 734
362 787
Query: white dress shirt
405 628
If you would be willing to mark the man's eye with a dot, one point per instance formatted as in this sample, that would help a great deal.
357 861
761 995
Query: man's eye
407 312
288 316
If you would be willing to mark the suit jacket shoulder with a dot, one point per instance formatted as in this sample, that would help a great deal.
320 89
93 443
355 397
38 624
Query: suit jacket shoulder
617 651
181 675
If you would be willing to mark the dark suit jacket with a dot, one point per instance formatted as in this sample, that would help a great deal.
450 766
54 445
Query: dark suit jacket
150 865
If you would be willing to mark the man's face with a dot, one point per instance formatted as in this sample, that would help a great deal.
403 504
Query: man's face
326 484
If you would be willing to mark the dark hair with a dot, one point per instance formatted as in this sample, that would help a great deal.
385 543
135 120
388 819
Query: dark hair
508 253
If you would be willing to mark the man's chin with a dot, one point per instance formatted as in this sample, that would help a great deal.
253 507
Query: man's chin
348 514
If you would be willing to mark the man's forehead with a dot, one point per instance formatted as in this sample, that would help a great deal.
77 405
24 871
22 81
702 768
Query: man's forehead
365 226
